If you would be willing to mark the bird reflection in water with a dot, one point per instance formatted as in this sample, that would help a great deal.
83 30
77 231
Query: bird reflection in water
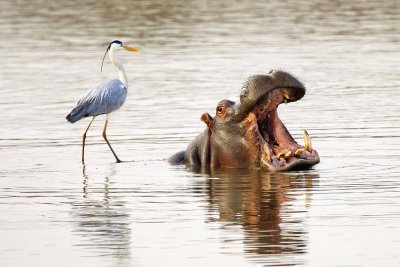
265 205
102 220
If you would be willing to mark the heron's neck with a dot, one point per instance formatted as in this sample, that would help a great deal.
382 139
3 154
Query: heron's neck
122 75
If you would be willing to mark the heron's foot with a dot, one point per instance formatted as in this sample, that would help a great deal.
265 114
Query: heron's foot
119 161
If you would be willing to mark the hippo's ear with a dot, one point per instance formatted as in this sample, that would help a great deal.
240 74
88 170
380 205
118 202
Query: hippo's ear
207 119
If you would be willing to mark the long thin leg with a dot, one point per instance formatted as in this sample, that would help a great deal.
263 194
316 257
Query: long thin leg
84 138
108 143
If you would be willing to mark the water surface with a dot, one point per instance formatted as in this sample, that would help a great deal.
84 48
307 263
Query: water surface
144 212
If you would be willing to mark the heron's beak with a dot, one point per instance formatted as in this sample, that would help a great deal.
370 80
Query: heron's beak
130 48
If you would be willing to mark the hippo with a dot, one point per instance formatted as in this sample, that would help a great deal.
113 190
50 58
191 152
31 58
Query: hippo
250 134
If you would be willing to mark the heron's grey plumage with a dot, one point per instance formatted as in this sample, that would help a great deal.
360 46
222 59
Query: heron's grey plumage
102 99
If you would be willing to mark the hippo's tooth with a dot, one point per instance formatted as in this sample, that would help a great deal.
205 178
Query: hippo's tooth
285 97
288 154
298 151
307 142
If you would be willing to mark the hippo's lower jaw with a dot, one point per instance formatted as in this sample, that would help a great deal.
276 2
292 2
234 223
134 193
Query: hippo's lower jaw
279 151
293 165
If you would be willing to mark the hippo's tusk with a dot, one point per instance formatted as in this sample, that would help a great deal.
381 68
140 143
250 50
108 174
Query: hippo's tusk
266 153
307 142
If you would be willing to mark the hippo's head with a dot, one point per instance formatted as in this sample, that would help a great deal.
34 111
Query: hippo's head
250 134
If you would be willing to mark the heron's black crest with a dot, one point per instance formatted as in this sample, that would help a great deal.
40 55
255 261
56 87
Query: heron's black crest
116 42
108 48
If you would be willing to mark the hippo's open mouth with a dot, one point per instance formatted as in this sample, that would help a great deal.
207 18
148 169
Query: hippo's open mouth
279 151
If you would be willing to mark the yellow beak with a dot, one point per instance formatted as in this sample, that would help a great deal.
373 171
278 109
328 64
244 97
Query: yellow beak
130 48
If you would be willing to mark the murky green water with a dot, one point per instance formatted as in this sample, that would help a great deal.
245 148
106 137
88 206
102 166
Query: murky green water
56 212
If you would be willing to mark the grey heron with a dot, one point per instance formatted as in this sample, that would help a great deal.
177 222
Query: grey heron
105 98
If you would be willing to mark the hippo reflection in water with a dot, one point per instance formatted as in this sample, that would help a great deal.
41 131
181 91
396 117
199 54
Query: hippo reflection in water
250 134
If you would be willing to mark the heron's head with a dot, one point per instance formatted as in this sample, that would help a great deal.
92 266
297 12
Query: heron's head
117 45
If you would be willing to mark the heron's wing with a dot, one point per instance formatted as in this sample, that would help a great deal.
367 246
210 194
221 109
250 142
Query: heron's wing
104 98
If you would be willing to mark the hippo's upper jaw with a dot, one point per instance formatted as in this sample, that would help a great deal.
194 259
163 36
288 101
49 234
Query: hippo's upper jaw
278 150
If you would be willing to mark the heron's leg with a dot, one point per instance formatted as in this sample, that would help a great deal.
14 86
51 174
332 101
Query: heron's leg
84 138
105 138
